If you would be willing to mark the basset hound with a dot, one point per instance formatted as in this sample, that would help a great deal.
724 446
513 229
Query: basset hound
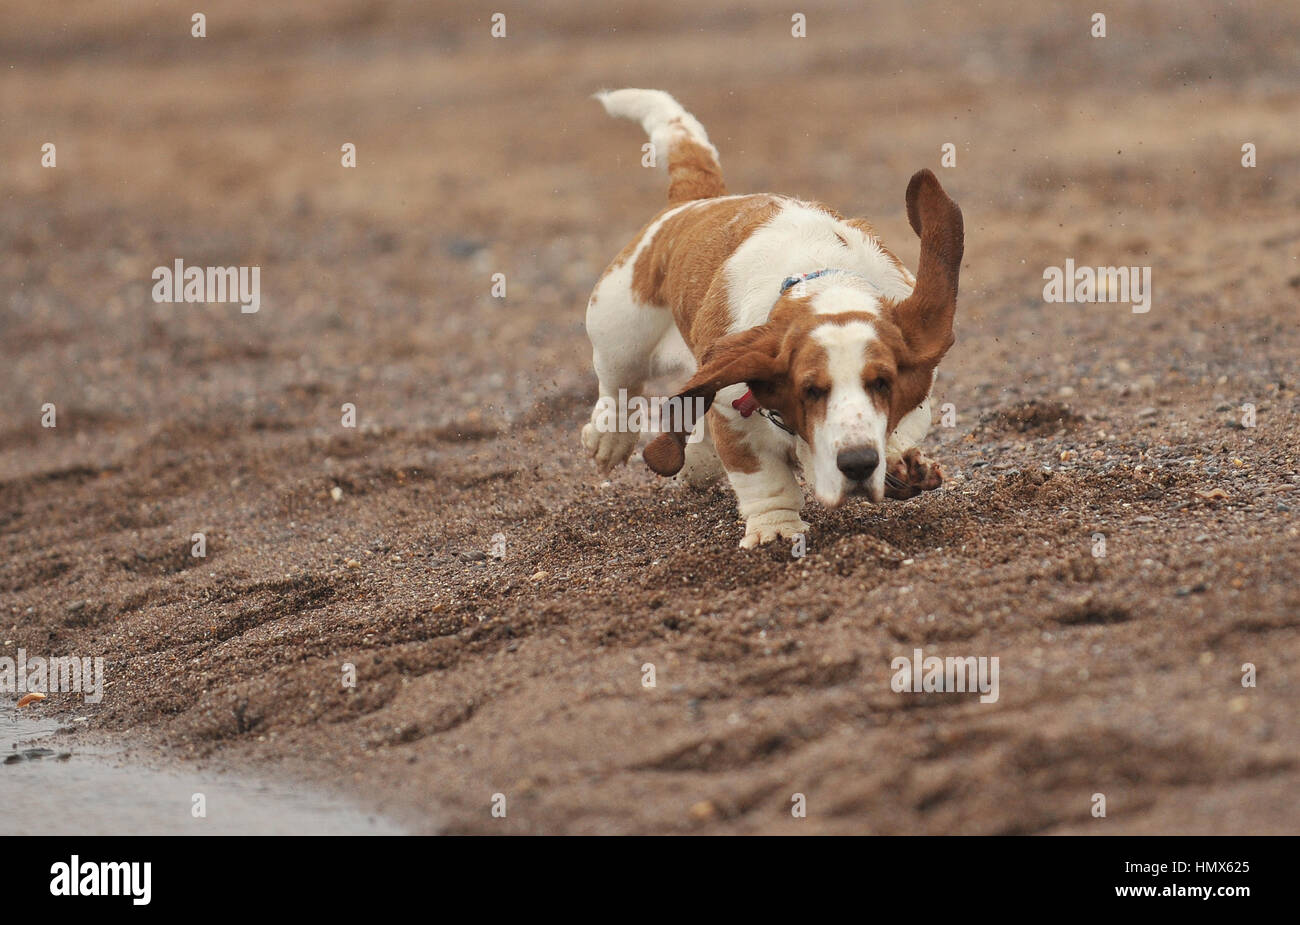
810 343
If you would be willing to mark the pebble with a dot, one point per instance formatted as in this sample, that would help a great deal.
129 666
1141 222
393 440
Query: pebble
462 248
703 810
336 493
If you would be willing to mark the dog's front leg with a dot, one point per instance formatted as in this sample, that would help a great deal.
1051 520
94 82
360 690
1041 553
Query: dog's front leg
758 467
910 471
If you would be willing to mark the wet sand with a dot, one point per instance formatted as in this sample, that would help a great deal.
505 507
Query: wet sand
51 786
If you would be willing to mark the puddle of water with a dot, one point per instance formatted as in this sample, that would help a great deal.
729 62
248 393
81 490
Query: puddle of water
89 792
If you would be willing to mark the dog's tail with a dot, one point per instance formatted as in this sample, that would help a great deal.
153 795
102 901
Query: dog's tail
678 138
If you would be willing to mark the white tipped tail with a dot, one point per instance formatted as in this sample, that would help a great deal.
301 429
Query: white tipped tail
679 140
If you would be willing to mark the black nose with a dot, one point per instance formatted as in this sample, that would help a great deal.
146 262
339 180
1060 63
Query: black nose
858 463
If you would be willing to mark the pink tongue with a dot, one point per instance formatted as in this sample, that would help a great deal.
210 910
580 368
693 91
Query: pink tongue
746 404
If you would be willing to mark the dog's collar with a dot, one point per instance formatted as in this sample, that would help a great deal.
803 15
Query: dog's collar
791 281
747 404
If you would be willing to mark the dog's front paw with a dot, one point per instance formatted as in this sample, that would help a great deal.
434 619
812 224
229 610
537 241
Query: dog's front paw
762 529
608 448
911 474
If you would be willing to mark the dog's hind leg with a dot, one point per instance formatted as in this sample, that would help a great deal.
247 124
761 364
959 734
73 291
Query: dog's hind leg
702 467
624 335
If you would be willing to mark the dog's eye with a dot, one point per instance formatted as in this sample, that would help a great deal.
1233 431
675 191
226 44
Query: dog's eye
814 392
879 385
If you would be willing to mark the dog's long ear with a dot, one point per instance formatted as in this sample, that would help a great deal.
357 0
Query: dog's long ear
748 356
925 317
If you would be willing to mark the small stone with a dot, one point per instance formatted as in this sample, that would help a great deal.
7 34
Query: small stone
703 810
336 493
462 248
539 575
1239 704
352 563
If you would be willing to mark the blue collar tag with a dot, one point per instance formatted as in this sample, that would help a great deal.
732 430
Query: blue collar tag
791 281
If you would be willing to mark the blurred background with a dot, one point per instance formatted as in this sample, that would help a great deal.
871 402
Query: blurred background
479 155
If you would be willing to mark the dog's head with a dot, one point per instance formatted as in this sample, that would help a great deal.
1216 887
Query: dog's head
843 366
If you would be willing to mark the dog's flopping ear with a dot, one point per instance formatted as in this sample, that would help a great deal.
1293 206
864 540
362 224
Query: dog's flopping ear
925 317
748 356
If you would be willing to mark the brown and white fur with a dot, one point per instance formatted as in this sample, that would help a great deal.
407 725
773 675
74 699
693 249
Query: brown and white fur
846 359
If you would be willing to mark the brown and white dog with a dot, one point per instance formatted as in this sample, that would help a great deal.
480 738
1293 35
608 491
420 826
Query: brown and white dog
779 306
